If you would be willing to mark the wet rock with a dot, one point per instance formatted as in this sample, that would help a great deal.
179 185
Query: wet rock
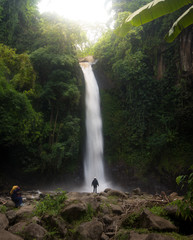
90 230
116 209
151 221
11 215
137 191
24 212
171 210
107 219
4 223
104 237
116 193
35 231
5 235
137 236
74 211
87 59
18 227
57 223
156 236
10 204
173 196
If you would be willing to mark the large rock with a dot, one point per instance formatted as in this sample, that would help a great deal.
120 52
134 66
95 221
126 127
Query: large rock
4 223
18 227
116 209
11 215
10 204
87 59
156 236
35 231
136 236
5 235
116 193
24 212
57 223
151 221
90 230
74 212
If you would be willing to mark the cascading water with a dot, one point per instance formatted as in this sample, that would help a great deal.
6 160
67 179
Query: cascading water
93 162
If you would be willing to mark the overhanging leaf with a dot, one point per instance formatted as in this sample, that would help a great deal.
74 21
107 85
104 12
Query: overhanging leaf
149 12
155 9
182 22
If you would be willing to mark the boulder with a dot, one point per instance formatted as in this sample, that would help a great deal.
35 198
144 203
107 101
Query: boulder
57 223
156 236
171 210
90 230
116 193
18 227
10 204
151 221
92 201
137 236
74 211
35 231
4 223
116 209
104 237
5 235
11 215
107 219
24 212
137 191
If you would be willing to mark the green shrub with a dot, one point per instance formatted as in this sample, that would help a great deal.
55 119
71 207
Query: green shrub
3 209
158 210
186 205
51 204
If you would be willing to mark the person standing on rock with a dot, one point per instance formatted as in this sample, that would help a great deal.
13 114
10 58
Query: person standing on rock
16 196
95 184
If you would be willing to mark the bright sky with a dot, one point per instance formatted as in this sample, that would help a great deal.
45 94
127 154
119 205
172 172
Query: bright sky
92 11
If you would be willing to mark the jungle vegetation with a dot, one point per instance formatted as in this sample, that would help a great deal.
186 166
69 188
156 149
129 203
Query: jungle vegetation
147 109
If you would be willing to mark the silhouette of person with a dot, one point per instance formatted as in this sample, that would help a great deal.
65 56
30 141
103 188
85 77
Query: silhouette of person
95 184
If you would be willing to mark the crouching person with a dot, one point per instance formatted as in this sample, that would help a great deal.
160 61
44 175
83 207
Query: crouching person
16 196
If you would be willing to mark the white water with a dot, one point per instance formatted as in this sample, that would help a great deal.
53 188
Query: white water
93 161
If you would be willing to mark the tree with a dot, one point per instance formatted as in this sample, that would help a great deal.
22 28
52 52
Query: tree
156 9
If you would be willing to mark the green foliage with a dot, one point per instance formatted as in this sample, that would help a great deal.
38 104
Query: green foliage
16 69
131 221
185 206
19 122
159 211
3 209
51 204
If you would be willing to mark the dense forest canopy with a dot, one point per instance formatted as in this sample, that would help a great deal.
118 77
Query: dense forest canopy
147 105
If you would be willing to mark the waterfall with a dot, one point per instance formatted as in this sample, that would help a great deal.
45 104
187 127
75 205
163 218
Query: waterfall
93 160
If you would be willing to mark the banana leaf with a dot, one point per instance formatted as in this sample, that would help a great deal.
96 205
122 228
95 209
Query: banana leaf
182 22
149 12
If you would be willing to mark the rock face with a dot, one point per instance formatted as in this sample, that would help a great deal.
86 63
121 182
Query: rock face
74 211
4 223
151 221
87 59
5 235
34 230
87 216
90 230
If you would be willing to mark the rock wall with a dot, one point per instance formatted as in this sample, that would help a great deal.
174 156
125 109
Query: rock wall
185 61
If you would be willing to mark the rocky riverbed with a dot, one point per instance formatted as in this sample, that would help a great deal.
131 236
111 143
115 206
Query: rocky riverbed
108 215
